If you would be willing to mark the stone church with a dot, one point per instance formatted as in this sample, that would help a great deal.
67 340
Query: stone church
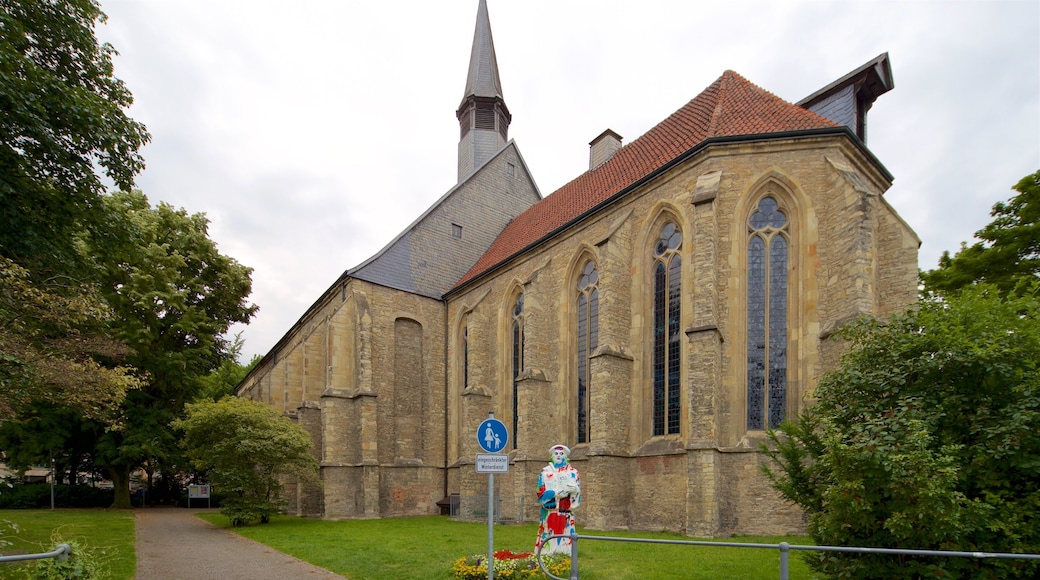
656 314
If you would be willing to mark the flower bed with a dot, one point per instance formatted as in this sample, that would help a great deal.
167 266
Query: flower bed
510 566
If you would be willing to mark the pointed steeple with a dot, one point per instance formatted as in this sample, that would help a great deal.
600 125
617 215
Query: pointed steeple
482 80
483 116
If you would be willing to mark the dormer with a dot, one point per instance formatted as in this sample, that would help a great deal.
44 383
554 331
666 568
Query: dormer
847 100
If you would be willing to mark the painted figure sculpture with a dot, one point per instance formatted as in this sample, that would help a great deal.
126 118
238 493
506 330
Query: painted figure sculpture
559 492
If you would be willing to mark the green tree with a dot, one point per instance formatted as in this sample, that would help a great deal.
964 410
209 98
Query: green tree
54 348
62 113
225 378
170 297
174 296
1008 253
44 431
245 446
926 437
62 117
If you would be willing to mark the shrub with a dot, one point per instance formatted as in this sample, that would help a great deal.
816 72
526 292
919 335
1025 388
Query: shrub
925 437
38 495
241 510
80 564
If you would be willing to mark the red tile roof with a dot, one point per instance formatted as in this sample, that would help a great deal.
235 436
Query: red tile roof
731 106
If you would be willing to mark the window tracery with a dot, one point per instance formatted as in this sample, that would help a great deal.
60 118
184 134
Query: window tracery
588 337
518 359
767 304
667 302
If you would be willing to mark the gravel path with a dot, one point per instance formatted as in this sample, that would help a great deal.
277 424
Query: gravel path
173 544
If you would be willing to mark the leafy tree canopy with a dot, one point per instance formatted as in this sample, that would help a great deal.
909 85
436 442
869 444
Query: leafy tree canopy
61 117
173 294
1008 253
245 446
225 378
927 437
54 348
62 113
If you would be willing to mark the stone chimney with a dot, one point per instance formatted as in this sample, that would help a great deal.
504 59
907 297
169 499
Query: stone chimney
602 148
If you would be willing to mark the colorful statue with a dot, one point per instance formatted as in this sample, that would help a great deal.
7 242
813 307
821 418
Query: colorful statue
559 491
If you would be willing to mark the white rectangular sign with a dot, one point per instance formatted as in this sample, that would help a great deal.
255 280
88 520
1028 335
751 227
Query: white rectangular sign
198 491
492 463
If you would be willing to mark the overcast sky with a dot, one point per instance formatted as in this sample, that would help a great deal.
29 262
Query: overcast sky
311 132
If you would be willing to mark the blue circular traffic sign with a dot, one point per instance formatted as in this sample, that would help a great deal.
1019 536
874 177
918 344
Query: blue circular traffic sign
492 436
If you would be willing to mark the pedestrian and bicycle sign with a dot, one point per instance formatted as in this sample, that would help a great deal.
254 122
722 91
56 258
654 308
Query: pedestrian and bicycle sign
493 438
492 435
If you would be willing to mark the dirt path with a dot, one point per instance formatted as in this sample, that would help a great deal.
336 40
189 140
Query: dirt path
173 544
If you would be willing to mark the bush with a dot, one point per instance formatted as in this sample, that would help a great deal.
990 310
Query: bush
243 510
80 564
38 495
926 437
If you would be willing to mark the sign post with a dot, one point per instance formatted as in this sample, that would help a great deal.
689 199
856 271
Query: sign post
492 438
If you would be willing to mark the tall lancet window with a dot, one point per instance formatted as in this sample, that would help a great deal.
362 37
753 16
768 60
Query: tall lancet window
667 309
588 337
465 356
518 359
768 232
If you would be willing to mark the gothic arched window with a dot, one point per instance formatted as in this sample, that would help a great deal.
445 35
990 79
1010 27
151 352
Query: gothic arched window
518 358
767 260
588 337
667 269
465 356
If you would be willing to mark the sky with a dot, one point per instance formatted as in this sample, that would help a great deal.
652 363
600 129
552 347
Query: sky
311 132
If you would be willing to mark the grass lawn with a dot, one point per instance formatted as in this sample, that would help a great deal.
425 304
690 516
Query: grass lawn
425 547
110 533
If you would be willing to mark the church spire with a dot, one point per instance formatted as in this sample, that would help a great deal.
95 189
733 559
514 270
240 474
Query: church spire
483 116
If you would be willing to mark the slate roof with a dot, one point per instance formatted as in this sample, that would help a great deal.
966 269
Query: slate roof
423 259
732 106
482 77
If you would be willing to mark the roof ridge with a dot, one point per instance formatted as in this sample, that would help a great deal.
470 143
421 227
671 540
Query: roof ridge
716 112
649 133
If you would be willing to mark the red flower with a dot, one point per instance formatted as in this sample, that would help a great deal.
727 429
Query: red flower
507 555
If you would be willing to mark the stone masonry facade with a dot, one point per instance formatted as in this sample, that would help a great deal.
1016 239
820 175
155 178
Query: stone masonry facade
377 374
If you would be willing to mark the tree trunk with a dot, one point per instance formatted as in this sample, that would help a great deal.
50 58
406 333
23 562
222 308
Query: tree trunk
121 485
74 463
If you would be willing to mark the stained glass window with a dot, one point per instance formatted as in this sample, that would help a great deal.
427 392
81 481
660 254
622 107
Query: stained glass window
667 303
768 231
518 359
588 337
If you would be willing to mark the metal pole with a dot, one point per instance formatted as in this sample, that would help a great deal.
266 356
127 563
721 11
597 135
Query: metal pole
574 556
491 518
785 549
52 483
491 526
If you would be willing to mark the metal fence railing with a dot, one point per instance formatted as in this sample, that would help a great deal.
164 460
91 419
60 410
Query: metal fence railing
61 552
783 547
475 506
